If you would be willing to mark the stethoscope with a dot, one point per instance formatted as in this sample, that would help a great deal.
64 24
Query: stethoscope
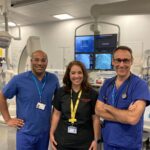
112 83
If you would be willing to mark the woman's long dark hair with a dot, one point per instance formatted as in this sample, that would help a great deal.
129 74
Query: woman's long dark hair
85 85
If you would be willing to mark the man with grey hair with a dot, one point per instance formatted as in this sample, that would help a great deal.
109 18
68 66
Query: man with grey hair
121 103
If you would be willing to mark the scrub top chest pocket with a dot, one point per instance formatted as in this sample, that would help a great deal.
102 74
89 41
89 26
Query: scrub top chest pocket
124 103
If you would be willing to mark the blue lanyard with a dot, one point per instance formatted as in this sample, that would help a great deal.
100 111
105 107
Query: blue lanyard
40 90
113 95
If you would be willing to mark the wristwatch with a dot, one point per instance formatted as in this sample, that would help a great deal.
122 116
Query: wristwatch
98 141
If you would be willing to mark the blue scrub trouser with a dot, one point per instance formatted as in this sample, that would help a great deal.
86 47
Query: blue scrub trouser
29 142
109 147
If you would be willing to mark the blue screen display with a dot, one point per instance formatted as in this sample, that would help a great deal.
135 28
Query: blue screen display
103 61
86 59
95 51
84 44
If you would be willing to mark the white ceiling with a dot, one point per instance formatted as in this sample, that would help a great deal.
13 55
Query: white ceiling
44 11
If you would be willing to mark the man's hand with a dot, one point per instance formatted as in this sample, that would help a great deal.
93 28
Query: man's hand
93 145
15 122
53 142
132 106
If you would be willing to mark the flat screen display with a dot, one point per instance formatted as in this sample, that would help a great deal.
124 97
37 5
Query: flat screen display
103 61
84 44
95 51
105 43
86 59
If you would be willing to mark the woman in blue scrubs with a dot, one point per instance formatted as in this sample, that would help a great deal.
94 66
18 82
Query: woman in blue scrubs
121 103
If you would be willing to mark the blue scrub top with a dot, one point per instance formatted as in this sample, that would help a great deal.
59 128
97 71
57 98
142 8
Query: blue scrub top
23 86
119 134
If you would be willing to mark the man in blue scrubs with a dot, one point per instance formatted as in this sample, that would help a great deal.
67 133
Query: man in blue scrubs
121 103
34 91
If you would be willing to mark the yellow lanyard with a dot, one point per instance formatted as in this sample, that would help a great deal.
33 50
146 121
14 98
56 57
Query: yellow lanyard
74 110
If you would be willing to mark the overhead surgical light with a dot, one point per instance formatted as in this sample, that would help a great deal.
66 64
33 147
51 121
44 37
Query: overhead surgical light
5 39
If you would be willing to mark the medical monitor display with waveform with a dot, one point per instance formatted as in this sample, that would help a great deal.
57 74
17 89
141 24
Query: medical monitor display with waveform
84 44
103 61
86 59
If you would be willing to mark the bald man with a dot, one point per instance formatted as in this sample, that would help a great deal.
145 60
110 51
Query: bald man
34 91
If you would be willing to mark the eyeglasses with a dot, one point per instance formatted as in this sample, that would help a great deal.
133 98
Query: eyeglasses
39 60
125 61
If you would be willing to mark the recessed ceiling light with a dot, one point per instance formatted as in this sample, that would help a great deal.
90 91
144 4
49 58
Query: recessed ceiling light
10 24
63 16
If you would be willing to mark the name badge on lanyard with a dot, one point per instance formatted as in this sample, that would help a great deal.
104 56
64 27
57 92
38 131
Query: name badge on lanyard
72 129
39 104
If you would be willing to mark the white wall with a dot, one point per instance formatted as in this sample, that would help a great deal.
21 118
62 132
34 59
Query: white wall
57 38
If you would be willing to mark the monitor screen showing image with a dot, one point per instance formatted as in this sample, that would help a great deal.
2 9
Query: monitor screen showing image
84 44
105 43
103 61
86 59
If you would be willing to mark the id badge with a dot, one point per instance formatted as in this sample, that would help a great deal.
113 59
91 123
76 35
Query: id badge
40 106
72 129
